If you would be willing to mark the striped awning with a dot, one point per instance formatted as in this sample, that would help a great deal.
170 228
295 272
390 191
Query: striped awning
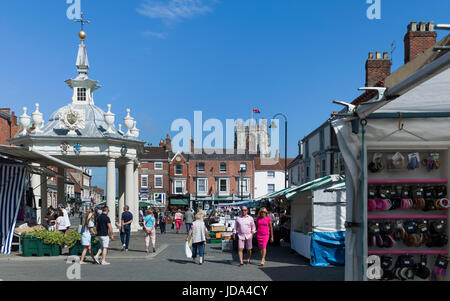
12 182
290 192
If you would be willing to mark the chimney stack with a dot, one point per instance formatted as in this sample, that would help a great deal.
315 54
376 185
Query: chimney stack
192 145
168 143
378 67
419 38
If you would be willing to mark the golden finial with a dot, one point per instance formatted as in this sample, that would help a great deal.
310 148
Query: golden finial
82 34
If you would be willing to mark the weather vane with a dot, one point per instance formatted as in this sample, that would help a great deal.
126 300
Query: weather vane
82 21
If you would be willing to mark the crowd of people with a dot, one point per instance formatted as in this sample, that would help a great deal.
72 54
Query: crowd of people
244 231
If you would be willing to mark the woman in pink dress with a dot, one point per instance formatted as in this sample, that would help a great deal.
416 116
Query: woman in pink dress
264 231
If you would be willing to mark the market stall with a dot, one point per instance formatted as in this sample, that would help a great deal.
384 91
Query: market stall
396 152
317 224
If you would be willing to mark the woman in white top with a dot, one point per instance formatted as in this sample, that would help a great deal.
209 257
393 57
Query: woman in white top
198 232
61 222
88 229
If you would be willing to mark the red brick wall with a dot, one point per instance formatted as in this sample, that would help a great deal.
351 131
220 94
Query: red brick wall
148 168
8 129
212 170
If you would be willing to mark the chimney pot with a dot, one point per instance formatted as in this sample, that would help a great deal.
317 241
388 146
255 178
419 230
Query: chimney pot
431 26
378 55
370 55
412 26
422 26
385 56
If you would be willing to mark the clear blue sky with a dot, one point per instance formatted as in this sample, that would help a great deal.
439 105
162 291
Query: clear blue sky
164 59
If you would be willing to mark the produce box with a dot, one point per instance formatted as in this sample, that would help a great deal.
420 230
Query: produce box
221 228
219 235
227 235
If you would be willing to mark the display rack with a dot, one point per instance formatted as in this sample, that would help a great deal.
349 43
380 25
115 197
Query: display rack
405 177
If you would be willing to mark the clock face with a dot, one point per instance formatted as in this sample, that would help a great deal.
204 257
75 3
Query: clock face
178 159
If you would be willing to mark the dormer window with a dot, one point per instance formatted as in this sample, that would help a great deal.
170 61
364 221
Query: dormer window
81 94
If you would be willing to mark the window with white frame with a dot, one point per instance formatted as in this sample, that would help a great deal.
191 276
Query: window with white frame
144 181
223 167
158 166
178 170
243 185
223 186
243 167
81 95
179 186
271 174
270 188
201 167
202 186
158 181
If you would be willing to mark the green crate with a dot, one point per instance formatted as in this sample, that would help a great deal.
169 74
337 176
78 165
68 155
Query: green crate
51 250
212 234
215 241
76 250
31 246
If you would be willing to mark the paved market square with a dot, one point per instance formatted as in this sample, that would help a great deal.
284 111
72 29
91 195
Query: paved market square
169 263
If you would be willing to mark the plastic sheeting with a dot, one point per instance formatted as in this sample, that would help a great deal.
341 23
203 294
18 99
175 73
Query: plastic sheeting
328 249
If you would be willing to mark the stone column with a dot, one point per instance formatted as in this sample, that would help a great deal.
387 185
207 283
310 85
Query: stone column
135 209
129 189
121 190
36 185
61 192
111 191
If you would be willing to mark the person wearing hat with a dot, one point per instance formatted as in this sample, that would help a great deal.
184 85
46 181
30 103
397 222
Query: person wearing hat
87 231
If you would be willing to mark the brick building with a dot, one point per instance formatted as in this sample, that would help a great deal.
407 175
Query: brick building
178 181
220 178
8 125
154 174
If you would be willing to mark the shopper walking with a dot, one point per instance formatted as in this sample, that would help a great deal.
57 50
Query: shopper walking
162 221
87 231
198 232
264 231
104 234
51 219
150 230
245 229
125 229
188 219
178 220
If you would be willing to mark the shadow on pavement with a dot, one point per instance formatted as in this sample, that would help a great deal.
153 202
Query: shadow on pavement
305 273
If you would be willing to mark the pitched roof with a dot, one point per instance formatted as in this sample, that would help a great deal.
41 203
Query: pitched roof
154 153
270 164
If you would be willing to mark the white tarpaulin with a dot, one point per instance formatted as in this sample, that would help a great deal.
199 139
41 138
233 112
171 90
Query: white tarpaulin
329 211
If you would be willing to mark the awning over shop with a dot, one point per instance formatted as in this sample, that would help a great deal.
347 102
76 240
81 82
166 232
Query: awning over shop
28 155
181 202
289 193
151 204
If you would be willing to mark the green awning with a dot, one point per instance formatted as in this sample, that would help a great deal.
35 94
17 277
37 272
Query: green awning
182 202
151 204
290 192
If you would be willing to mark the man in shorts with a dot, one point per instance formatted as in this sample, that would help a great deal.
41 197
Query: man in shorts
104 233
245 229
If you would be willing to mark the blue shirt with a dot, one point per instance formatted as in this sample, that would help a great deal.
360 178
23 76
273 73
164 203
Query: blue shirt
149 221
127 216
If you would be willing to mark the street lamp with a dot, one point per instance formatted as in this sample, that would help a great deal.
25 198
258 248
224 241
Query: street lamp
285 146
242 171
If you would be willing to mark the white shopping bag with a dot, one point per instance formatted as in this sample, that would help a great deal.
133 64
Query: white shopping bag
188 250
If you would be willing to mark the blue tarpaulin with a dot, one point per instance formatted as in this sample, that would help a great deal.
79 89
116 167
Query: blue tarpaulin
328 248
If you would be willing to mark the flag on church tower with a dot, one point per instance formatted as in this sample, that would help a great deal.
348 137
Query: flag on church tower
256 111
